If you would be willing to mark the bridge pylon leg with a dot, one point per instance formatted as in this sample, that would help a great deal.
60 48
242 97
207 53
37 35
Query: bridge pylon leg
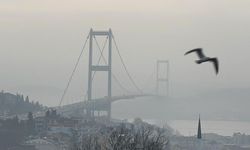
164 79
104 68
109 111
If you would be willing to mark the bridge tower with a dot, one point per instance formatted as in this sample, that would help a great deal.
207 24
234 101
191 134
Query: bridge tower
94 68
162 78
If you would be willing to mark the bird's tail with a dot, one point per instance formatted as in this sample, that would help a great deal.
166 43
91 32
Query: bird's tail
198 61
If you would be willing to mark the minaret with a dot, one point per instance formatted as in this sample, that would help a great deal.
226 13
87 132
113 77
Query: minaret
199 129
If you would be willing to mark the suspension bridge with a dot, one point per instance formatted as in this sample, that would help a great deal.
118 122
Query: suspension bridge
103 104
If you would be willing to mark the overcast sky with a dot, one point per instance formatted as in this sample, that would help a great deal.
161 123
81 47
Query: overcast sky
41 40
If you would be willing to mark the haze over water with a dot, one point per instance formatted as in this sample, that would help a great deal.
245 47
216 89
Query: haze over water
179 117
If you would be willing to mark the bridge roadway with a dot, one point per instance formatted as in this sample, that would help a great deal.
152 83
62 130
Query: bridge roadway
100 104
103 104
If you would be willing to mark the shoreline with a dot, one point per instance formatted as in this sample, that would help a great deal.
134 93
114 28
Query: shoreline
189 127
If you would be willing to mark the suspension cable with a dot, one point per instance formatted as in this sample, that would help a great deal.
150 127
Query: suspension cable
98 62
113 75
73 72
125 67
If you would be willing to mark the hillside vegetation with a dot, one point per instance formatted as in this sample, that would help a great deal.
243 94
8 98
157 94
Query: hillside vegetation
11 104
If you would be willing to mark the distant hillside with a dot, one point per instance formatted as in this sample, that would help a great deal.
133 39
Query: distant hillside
11 104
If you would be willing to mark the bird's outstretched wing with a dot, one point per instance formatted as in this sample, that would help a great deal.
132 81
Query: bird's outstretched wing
216 64
198 51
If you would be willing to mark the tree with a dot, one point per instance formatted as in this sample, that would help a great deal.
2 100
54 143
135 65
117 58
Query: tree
22 98
91 142
121 138
144 136
47 114
30 116
37 104
12 133
53 113
27 100
30 123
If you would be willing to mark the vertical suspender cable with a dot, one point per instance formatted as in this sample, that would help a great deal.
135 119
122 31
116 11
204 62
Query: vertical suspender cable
113 75
125 67
73 72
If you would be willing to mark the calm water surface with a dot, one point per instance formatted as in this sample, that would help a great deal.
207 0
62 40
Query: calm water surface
148 110
226 128
160 113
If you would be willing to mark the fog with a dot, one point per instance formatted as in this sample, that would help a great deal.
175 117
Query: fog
41 40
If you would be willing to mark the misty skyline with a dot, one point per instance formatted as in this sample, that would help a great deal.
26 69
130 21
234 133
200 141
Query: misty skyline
40 42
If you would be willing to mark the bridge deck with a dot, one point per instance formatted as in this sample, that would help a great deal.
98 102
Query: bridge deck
103 104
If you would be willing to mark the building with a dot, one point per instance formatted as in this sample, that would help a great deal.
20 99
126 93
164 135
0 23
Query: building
199 136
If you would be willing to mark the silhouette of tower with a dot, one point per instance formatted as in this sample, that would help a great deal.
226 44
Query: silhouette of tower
164 79
104 68
199 129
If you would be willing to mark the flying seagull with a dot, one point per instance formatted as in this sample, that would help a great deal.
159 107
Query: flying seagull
204 58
